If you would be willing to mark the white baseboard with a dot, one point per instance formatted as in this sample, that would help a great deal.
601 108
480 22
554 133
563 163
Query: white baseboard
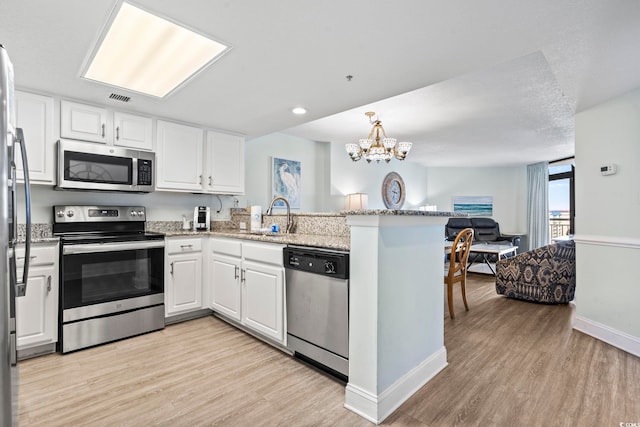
377 408
616 338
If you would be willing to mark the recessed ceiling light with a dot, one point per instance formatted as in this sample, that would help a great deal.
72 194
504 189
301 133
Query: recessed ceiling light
299 110
144 53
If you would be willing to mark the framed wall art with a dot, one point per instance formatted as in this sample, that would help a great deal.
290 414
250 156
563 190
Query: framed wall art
285 181
473 205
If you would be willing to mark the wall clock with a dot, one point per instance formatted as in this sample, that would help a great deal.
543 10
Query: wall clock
393 191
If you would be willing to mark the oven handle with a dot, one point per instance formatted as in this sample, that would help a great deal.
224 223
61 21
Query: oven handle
110 247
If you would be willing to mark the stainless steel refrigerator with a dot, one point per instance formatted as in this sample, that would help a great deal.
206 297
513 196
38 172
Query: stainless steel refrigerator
11 286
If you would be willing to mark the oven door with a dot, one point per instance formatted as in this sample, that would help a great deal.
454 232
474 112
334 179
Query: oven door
101 278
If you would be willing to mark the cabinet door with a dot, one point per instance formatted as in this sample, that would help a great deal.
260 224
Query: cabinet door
34 114
224 277
262 299
84 122
179 156
133 131
225 163
183 290
37 311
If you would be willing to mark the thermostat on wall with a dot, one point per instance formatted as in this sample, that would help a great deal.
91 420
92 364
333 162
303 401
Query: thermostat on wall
608 170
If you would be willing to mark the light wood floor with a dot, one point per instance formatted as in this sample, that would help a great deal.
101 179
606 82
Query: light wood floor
511 363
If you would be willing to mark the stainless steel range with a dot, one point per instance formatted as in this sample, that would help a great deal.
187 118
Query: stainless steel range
111 275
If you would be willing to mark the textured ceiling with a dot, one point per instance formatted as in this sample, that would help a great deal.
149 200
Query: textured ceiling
483 83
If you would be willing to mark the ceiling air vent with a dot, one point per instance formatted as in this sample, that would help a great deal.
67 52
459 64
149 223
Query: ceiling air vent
121 98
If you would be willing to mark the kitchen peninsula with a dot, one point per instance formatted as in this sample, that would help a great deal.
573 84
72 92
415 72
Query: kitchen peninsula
396 318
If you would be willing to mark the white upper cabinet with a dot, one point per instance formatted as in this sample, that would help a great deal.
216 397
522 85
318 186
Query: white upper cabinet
96 124
179 157
225 163
84 122
186 163
133 131
34 114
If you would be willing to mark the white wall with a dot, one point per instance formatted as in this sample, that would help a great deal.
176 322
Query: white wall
609 134
507 185
328 174
161 206
607 226
362 177
313 162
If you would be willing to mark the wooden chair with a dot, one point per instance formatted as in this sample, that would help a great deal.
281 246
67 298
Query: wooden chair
458 266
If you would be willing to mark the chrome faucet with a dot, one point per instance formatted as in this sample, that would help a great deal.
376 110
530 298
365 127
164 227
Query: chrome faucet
289 222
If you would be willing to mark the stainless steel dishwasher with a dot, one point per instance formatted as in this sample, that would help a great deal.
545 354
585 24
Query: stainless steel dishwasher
317 286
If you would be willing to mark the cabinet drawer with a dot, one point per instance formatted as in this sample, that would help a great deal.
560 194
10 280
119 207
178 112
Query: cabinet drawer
177 246
40 255
268 253
229 247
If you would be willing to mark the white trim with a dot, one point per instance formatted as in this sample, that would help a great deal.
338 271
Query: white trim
616 241
361 402
377 408
616 338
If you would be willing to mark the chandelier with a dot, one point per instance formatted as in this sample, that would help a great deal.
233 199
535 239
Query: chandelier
377 146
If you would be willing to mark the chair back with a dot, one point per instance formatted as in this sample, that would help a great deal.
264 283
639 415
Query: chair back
460 252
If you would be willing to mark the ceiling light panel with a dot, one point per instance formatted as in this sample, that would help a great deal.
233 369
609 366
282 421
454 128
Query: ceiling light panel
144 53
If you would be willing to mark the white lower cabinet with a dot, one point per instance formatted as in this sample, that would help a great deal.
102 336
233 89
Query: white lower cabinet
263 299
224 277
183 275
37 311
247 285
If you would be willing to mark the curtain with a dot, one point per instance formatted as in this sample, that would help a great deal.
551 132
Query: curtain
538 204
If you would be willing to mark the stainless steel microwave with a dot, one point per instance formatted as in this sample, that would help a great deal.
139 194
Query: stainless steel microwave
91 166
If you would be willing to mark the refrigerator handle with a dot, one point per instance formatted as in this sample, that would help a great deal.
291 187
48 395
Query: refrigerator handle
21 286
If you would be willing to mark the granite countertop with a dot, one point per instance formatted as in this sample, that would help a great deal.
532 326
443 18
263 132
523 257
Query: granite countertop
21 240
40 233
313 240
400 212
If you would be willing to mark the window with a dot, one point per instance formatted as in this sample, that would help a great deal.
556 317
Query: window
561 198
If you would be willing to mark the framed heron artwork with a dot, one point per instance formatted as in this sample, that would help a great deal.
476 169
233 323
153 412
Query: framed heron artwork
286 180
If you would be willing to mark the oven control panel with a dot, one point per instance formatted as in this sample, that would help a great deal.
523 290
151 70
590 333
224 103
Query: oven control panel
98 213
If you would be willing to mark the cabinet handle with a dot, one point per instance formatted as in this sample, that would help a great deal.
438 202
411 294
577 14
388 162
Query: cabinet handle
171 271
117 133
103 130
200 179
31 257
235 272
210 181
186 246
48 284
242 275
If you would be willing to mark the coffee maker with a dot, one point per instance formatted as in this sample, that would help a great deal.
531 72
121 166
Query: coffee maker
201 218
